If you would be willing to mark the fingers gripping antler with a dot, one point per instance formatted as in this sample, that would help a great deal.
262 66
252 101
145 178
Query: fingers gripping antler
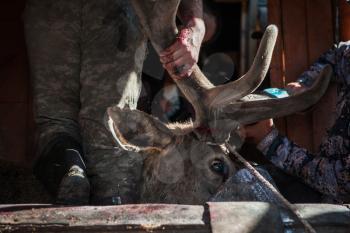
158 20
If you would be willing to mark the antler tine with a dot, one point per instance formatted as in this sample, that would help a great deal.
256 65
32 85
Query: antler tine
253 111
248 83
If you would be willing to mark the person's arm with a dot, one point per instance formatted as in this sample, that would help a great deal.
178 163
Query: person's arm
330 176
328 173
180 58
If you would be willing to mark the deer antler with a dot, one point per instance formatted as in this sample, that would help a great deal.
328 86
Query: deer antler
247 112
158 21
248 83
220 107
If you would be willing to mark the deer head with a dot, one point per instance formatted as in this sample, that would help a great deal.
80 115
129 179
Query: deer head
182 162
178 168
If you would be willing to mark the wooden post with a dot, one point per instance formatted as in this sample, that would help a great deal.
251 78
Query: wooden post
294 18
306 31
277 67
321 39
344 10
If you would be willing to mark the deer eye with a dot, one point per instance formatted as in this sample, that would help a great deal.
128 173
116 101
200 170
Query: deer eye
220 168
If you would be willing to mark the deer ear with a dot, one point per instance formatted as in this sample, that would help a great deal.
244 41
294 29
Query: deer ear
136 130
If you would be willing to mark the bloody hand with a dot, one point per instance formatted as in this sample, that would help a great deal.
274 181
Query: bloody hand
180 58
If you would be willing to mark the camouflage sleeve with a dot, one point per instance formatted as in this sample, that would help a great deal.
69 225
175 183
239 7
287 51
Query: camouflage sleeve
329 176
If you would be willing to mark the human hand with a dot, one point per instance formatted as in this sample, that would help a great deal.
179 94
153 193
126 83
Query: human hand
295 88
180 58
256 132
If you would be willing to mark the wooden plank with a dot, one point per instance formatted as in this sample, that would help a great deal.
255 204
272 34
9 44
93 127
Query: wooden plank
295 38
325 214
234 216
125 218
299 126
325 218
277 77
244 217
277 67
319 11
323 114
344 20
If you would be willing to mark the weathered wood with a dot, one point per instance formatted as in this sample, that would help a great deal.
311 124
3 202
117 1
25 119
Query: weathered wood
299 127
230 216
277 67
244 217
323 217
344 8
277 77
128 218
320 11
299 24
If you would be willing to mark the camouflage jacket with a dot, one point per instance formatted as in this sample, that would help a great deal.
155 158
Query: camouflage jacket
327 171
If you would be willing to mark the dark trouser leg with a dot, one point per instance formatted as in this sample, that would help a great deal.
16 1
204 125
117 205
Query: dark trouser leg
53 30
113 51
62 170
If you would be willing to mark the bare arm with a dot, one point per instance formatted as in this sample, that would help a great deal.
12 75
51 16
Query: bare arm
180 58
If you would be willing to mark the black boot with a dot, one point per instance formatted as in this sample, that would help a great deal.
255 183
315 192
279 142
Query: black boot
62 170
